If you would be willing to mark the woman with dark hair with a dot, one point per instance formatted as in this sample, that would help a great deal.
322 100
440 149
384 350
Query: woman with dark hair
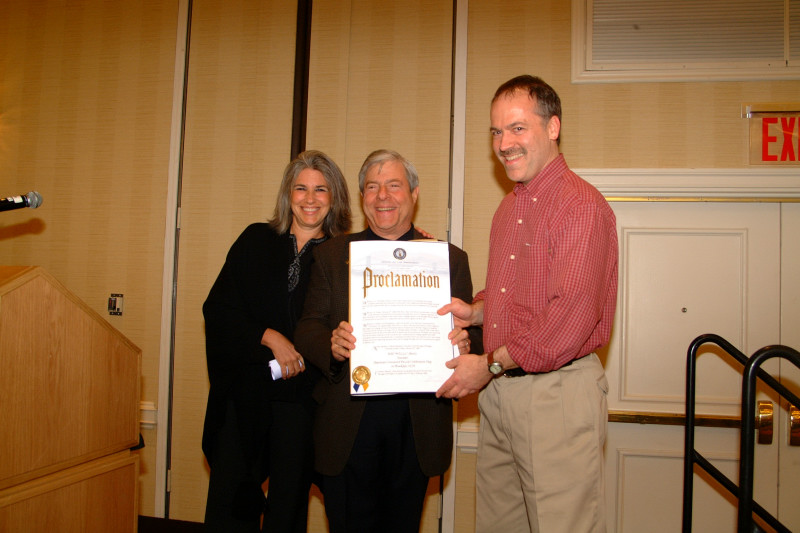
258 419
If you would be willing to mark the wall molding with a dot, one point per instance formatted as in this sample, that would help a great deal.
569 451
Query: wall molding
148 415
696 184
467 438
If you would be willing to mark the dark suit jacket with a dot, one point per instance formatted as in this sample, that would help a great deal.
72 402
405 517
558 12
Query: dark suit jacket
338 415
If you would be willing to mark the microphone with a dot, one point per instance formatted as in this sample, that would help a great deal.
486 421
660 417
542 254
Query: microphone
33 200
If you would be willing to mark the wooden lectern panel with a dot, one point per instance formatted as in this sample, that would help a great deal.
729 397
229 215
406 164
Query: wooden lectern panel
97 496
69 384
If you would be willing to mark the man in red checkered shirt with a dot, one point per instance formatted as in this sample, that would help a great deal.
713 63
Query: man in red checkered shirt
548 304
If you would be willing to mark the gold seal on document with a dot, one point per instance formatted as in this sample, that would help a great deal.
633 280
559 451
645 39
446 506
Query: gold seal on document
361 375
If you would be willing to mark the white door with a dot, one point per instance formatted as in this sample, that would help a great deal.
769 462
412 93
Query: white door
688 268
789 470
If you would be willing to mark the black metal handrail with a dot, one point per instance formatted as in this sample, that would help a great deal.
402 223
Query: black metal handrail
744 491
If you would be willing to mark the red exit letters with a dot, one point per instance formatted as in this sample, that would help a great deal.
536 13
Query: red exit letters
780 139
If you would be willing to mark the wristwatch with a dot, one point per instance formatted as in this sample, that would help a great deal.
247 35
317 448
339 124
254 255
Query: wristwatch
494 367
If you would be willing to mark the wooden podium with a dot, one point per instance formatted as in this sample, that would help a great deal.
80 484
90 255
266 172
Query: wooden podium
69 405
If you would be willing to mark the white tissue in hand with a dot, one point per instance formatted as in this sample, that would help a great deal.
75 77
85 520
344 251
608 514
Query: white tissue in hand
275 369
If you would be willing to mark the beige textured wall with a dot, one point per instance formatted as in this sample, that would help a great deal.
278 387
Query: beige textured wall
237 143
380 78
85 102
465 492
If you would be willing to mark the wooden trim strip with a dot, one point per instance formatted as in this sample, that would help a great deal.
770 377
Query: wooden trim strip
673 419
301 66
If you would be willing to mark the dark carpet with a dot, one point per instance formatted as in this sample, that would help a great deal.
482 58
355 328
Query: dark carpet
149 524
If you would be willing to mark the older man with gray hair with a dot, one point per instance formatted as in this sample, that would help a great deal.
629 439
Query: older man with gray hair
375 454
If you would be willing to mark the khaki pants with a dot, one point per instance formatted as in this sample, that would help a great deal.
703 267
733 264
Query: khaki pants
540 451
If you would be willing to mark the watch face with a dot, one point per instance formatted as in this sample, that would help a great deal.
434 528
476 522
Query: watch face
495 368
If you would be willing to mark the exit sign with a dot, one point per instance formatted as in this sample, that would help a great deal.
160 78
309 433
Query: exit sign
774 135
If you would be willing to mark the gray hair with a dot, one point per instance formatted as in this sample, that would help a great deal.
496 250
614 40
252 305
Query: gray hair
338 219
379 157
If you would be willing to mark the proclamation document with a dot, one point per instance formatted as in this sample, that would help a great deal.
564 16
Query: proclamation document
401 342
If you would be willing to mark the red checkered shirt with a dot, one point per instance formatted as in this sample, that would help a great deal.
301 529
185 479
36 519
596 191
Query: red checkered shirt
551 289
